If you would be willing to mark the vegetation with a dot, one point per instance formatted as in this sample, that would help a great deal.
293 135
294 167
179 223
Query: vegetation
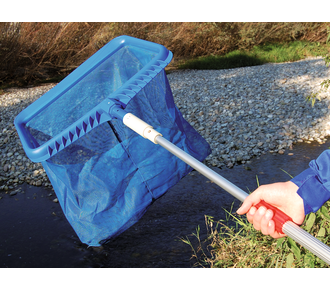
33 52
257 55
324 85
241 246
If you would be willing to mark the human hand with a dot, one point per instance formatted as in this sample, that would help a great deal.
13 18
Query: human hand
282 195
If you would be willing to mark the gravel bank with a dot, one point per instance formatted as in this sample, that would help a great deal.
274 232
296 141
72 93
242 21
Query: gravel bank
16 167
242 113
246 112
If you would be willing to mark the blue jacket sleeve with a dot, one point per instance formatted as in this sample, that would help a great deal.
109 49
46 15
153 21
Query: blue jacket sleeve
314 183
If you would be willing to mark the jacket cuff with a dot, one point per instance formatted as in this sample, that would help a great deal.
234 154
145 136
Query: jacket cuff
311 190
303 176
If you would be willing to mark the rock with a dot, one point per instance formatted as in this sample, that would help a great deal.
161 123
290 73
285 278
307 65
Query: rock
239 158
271 146
14 192
230 165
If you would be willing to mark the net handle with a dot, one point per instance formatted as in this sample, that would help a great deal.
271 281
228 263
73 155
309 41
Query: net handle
141 127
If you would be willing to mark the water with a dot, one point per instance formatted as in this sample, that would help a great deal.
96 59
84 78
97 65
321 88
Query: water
35 233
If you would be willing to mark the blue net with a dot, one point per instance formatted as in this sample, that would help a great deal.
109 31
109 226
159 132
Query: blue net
106 179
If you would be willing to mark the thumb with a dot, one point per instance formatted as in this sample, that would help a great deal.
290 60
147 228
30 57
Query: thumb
248 203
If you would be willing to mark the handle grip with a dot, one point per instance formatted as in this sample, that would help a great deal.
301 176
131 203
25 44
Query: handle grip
280 218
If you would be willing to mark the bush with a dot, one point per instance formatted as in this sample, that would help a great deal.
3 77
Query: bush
39 51
31 51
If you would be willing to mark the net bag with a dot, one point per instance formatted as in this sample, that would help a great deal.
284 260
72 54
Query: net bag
104 174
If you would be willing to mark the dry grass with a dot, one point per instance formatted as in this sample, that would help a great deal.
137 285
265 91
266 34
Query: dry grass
39 51
31 51
241 246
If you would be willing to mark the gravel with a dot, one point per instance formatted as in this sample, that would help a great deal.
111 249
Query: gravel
242 113
15 166
246 112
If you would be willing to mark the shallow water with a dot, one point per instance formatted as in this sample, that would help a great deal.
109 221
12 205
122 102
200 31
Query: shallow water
35 233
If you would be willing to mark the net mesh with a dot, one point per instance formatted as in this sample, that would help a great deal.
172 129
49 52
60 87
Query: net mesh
106 179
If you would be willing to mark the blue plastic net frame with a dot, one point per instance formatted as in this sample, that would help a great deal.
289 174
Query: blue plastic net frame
104 174
159 57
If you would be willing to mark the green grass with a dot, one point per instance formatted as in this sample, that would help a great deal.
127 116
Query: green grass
234 243
267 53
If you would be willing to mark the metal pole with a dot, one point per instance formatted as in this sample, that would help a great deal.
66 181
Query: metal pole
203 169
289 228
305 239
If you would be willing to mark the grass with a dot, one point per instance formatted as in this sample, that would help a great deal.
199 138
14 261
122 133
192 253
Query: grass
244 247
265 53
231 60
241 246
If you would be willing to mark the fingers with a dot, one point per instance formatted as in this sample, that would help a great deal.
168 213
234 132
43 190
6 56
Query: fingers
260 218
262 221
274 234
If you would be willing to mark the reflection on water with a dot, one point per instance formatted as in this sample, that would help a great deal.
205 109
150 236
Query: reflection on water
35 233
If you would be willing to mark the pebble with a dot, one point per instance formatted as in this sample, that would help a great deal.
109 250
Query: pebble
13 193
242 113
254 110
